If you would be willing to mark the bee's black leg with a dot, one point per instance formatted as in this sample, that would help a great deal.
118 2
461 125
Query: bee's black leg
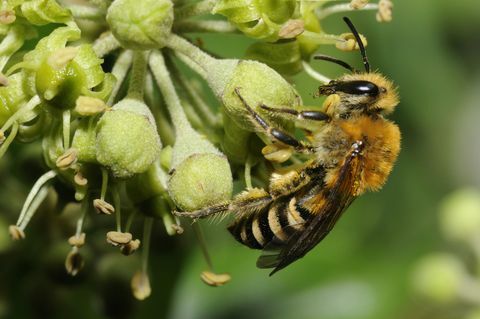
302 115
275 133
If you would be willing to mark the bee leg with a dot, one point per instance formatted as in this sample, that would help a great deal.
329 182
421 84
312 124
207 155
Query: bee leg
202 213
302 115
275 133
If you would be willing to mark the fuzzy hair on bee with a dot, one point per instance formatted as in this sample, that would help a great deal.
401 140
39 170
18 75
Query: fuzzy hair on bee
352 150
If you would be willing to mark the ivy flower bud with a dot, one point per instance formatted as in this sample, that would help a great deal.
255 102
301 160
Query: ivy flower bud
201 180
127 141
258 84
460 214
257 19
439 277
284 57
145 26
41 12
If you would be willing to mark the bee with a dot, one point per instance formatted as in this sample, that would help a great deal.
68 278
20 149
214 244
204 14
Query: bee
353 148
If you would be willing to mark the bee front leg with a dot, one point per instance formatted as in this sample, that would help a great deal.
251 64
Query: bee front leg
300 115
274 133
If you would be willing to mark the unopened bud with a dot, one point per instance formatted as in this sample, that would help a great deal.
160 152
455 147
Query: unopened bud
213 279
349 42
117 238
88 106
103 207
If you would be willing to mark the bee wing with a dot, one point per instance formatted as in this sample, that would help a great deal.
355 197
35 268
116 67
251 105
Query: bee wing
279 254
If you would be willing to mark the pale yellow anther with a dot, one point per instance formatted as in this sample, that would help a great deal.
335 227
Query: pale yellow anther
62 57
358 4
3 80
130 247
140 285
277 153
213 279
384 13
79 179
2 137
117 238
88 106
77 240
291 29
103 207
349 43
177 228
15 232
67 159
7 16
331 103
74 262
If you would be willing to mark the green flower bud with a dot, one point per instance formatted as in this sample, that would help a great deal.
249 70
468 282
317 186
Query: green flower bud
41 12
283 56
60 74
127 141
145 26
84 141
201 180
12 97
460 214
439 277
258 84
257 19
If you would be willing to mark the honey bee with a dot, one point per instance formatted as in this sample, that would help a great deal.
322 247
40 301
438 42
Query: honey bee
353 151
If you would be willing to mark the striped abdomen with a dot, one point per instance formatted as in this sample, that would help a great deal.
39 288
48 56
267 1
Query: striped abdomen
279 219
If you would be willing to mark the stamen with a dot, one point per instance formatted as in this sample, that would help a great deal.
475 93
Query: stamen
314 74
74 262
89 106
384 13
140 283
291 29
349 42
103 207
116 238
60 58
7 17
67 159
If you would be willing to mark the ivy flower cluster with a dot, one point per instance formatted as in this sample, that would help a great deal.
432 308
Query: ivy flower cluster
137 132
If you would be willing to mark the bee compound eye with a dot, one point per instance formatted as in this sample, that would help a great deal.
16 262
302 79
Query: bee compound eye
359 88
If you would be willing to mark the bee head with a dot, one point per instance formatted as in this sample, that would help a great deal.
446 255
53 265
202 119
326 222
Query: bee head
363 93
360 92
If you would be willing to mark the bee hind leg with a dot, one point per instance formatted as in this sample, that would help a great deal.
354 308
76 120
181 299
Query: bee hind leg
205 212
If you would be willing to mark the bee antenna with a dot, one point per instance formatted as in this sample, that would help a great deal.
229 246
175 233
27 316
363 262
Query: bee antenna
335 60
360 43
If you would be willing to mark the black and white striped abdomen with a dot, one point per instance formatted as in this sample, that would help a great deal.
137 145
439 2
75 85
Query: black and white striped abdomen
279 219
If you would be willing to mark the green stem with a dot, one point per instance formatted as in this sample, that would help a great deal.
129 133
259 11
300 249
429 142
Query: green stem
164 82
214 26
321 38
86 12
32 208
137 77
192 65
314 74
130 219
34 102
195 9
66 129
33 193
105 44
344 7
203 109
9 140
82 218
203 245
120 70
117 205
103 191
147 234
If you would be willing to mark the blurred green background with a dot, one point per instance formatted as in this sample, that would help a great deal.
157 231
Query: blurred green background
363 269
